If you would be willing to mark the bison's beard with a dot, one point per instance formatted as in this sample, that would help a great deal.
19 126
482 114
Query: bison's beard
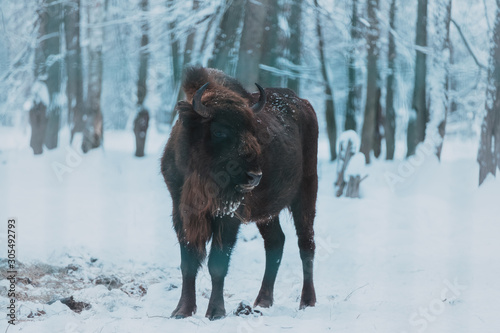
228 204
203 200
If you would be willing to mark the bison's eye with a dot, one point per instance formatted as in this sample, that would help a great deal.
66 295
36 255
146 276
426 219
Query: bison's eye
219 134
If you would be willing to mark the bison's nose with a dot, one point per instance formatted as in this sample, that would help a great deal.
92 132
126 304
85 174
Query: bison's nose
254 178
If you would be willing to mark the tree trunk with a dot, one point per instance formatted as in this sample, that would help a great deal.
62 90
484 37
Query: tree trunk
489 149
419 115
295 45
225 54
186 60
390 114
271 46
176 56
143 57
38 122
344 156
379 127
370 120
175 48
53 71
74 85
188 52
352 190
440 80
38 111
141 124
208 30
331 126
352 95
93 129
247 71
141 121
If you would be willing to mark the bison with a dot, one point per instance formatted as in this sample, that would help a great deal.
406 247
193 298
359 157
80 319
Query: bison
235 157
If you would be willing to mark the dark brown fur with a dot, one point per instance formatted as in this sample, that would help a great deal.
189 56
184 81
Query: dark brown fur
205 174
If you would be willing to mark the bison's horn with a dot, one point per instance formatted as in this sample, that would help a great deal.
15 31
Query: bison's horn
262 100
198 106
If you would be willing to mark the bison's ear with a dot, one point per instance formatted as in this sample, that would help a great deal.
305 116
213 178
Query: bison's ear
186 113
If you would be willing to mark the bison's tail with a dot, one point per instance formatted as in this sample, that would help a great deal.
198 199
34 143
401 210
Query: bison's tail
194 79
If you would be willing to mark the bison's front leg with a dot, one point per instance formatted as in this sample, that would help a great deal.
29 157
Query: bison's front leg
191 258
190 262
225 231
274 239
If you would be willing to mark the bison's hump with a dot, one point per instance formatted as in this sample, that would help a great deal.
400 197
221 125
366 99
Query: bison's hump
195 77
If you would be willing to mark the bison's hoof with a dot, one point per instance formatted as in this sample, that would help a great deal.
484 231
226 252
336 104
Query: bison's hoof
214 312
308 297
183 311
307 301
263 301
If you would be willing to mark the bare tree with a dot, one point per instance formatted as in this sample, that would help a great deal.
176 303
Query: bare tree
184 59
52 50
419 114
176 56
74 85
175 46
38 118
352 95
372 90
141 121
188 51
331 126
38 111
379 125
93 128
271 46
251 43
225 53
439 74
489 149
295 42
390 115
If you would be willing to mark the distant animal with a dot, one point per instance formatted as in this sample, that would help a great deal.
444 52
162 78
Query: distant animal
38 121
235 157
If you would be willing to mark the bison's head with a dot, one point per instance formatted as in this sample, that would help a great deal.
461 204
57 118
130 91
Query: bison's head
225 154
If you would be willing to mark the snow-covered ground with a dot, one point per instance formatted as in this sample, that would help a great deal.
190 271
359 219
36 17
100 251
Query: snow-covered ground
419 252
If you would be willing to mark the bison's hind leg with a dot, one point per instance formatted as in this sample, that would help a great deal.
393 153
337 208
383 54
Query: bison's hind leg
274 239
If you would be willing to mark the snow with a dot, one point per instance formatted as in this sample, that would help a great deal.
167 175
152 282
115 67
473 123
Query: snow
344 139
419 256
40 93
355 167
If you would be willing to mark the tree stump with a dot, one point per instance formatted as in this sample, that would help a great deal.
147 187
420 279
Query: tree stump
352 190
350 165
38 122
141 124
344 156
